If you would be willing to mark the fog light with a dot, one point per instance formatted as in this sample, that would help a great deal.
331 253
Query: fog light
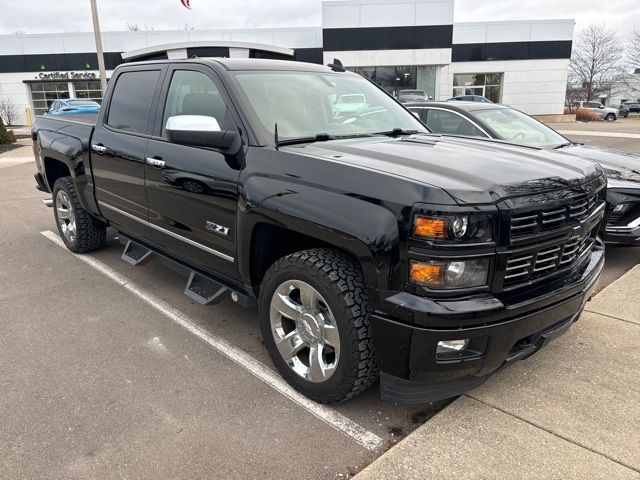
619 207
452 346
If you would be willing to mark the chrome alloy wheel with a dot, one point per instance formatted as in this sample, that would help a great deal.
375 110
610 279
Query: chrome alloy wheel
66 216
305 331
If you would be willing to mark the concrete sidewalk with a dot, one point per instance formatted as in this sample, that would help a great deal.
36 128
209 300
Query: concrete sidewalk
572 411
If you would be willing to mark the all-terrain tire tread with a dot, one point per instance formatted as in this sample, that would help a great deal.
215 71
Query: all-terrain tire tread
345 277
90 234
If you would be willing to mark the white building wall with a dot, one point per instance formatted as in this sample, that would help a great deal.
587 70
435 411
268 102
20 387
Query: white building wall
12 86
537 87
303 37
386 13
521 31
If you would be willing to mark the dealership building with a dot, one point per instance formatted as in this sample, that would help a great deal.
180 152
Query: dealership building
399 44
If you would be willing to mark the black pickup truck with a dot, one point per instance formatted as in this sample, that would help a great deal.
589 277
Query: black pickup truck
372 248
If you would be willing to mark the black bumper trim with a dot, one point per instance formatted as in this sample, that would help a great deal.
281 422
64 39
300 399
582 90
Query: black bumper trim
407 392
406 353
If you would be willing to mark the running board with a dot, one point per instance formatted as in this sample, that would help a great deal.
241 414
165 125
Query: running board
135 254
204 289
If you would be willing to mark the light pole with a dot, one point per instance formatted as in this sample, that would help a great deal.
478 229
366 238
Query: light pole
96 32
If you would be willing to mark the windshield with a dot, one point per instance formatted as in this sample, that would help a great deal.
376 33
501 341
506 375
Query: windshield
520 128
305 104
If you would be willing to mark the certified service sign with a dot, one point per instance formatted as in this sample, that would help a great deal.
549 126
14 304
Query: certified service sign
68 76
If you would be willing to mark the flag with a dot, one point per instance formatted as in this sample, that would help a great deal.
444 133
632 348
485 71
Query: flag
186 3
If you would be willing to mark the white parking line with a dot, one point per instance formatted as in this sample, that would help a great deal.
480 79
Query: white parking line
367 439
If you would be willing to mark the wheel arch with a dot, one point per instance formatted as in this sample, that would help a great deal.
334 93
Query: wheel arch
372 240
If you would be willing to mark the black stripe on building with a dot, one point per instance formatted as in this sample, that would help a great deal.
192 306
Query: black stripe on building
56 62
387 38
309 55
480 52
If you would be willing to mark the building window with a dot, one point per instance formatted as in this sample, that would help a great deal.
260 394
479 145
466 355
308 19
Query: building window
44 94
398 78
88 91
487 85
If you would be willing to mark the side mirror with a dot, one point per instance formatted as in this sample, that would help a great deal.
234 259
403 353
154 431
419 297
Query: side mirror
199 131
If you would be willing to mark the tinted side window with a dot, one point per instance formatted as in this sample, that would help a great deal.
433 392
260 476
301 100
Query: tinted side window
421 112
131 101
440 121
193 93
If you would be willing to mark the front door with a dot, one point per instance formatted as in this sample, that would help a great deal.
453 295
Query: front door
118 150
193 191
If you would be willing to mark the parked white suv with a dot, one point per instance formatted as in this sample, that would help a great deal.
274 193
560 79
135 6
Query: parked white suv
609 114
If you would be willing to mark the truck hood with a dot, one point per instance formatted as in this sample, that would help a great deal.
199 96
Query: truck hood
617 165
470 170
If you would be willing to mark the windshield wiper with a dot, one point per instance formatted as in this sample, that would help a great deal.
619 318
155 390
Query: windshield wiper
322 137
568 144
319 137
396 132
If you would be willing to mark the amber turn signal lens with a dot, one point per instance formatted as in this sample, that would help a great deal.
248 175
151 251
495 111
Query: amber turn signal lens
429 227
429 274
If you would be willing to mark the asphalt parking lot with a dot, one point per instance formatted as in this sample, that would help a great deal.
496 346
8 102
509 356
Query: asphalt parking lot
109 371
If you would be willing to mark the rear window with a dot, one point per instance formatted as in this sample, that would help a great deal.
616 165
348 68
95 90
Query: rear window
131 101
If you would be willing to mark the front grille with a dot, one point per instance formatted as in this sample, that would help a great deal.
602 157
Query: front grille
534 264
579 208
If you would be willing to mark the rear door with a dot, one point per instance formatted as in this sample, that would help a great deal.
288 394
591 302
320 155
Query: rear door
118 148
193 191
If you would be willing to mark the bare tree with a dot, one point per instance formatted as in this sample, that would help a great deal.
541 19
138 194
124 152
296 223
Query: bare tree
19 32
596 63
633 50
187 27
8 110
134 27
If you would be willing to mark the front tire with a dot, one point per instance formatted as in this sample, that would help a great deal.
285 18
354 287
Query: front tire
315 324
79 231
610 117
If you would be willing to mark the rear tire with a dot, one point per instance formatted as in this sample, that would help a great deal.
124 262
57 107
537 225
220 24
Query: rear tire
80 232
326 351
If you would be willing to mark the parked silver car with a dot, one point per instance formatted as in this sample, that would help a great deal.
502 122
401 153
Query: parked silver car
609 114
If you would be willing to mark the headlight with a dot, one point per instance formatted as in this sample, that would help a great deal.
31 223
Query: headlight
450 273
454 228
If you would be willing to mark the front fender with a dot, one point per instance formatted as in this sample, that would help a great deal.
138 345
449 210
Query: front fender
366 229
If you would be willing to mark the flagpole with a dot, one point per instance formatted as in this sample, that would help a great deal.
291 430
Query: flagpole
96 32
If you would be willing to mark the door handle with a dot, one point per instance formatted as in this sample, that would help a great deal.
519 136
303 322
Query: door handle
99 148
156 162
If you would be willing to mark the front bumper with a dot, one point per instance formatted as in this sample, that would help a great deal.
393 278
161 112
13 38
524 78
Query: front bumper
499 334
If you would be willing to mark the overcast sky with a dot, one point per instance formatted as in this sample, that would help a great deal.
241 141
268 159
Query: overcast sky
38 16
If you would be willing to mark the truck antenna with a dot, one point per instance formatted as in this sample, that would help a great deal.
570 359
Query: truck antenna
337 66
275 137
